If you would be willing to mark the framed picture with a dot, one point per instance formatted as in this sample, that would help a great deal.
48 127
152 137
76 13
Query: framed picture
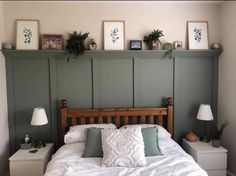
27 34
114 35
178 45
135 44
52 42
198 35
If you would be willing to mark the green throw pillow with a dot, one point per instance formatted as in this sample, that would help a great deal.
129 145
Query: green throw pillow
151 146
93 147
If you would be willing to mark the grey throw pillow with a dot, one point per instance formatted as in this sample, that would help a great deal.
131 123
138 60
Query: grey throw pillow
93 147
151 146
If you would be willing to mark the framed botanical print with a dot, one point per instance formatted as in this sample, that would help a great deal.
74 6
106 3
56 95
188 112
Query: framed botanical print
27 34
114 35
198 35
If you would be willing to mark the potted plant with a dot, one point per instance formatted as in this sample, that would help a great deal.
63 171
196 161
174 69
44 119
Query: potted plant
153 39
169 48
75 44
217 133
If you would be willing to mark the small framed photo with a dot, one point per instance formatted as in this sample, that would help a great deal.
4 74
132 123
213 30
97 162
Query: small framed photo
52 42
114 35
135 44
198 35
178 45
27 34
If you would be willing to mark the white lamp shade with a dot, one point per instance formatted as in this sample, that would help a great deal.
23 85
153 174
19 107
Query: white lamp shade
205 113
39 117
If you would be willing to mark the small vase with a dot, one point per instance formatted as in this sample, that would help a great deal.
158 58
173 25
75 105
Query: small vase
155 45
216 143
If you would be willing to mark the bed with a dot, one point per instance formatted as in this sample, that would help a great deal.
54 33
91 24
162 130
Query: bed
173 161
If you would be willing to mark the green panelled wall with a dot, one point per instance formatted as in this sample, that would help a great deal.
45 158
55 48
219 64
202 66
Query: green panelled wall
107 79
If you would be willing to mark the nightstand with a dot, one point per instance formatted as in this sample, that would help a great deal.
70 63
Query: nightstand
23 163
213 160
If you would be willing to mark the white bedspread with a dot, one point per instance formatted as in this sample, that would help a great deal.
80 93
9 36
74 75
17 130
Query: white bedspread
67 161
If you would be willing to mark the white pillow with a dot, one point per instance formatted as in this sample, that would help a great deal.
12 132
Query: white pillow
78 133
162 132
123 147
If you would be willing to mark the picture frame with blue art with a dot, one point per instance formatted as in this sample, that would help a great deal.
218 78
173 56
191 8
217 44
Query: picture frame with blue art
27 34
197 35
114 35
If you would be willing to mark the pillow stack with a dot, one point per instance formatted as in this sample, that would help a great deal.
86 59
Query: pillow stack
125 147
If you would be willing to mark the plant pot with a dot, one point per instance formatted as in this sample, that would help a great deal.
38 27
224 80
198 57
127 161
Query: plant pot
155 45
216 143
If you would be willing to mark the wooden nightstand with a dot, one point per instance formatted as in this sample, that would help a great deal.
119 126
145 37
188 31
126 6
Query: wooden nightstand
23 163
212 160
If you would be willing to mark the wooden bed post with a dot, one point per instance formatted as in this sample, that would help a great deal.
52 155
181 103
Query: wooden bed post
63 119
170 122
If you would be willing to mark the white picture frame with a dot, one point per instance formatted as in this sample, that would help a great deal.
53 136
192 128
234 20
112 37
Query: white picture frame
198 35
27 34
114 35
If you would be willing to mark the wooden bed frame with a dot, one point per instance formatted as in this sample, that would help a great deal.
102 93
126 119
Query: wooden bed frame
121 116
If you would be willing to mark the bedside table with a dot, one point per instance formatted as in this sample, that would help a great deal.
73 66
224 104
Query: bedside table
23 163
213 160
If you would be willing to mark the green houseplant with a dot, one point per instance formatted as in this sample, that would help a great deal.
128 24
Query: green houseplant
75 44
153 39
169 48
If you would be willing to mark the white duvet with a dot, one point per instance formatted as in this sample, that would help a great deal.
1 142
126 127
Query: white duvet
67 161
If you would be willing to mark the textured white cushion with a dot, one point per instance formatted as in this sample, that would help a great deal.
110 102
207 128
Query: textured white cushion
78 133
162 132
123 147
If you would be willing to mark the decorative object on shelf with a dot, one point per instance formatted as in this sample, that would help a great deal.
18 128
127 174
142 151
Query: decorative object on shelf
114 35
26 143
27 34
52 42
216 46
178 45
205 114
153 39
39 118
198 35
91 44
217 133
136 44
169 48
7 46
75 44
191 136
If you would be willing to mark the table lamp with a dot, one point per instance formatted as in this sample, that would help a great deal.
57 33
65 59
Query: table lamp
39 118
204 114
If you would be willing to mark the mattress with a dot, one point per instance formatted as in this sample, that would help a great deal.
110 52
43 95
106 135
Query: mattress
174 161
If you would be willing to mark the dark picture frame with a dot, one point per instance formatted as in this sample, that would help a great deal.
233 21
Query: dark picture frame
52 41
136 44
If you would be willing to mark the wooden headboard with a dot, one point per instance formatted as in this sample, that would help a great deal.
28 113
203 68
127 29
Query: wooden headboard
120 116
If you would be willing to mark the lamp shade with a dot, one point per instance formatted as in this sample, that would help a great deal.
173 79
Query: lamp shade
205 113
39 117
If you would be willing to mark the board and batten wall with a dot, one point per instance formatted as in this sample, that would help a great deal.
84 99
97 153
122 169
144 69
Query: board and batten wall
108 79
4 133
227 81
140 18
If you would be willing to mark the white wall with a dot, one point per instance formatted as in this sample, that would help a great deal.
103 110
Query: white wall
227 80
140 17
4 134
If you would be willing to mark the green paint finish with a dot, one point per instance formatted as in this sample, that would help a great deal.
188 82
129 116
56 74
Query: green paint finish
153 81
108 79
193 86
74 82
113 82
30 90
